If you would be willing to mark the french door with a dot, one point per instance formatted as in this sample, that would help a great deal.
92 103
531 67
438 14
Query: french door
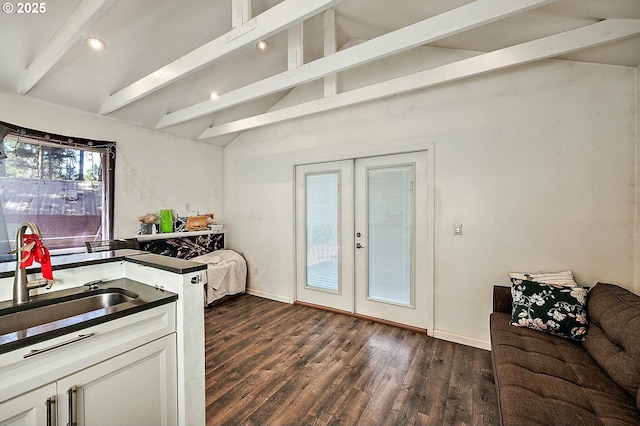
362 237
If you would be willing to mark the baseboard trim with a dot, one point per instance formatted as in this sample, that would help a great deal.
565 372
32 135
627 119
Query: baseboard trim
266 295
363 317
438 334
463 340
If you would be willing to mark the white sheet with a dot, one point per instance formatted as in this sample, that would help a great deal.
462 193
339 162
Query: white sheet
226 274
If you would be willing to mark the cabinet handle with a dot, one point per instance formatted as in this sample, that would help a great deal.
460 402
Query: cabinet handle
49 402
71 394
33 352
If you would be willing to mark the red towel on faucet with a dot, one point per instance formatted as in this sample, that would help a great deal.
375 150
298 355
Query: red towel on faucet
39 253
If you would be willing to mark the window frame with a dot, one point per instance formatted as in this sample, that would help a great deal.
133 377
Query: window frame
107 149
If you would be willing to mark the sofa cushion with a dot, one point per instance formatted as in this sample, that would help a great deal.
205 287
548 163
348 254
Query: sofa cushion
543 379
555 309
614 334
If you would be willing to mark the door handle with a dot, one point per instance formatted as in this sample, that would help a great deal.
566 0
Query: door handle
49 403
71 395
359 246
33 352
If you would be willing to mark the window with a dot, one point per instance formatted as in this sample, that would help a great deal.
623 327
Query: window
63 184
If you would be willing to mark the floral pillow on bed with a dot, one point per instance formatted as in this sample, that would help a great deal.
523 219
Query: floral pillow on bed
555 309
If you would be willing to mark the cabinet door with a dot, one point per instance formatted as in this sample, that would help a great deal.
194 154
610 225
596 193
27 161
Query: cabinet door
135 388
34 408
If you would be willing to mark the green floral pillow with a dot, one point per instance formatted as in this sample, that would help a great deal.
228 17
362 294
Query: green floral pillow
554 309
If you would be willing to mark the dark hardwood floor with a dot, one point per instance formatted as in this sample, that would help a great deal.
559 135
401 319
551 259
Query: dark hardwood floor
271 363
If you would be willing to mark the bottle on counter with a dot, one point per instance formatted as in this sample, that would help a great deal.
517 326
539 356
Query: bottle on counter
166 221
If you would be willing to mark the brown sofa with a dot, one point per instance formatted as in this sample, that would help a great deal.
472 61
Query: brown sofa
548 380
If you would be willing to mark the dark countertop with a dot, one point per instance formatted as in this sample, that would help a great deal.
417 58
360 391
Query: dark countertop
178 266
166 263
13 338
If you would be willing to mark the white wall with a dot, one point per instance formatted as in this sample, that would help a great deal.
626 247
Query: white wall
153 170
537 163
637 207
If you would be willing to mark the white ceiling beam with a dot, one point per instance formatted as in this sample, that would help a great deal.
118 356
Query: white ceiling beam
76 26
544 48
466 17
279 18
295 46
240 12
330 47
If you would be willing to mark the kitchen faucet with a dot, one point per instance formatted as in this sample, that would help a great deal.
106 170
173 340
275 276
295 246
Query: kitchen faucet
21 286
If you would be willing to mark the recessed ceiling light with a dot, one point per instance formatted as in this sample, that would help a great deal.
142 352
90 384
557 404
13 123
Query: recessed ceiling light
262 45
213 95
95 43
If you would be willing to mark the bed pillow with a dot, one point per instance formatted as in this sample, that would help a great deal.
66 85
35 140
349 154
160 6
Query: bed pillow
558 278
554 309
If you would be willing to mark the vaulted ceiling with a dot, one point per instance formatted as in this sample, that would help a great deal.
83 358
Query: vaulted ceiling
163 58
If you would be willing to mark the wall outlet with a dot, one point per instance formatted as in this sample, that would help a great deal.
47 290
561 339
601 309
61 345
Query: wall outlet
457 229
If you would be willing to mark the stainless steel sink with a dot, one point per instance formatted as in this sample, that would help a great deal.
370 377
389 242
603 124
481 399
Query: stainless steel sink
52 314
87 304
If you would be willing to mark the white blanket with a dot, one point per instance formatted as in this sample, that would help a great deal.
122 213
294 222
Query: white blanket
226 274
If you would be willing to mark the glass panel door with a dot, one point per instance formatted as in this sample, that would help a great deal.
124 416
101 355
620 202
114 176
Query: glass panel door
323 227
390 234
362 243
324 234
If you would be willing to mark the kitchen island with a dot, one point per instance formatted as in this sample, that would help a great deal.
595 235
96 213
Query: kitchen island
159 347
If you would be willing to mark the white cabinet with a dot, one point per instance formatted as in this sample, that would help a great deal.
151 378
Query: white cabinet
135 388
36 407
121 372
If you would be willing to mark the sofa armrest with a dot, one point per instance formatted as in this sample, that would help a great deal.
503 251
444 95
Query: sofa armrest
502 299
